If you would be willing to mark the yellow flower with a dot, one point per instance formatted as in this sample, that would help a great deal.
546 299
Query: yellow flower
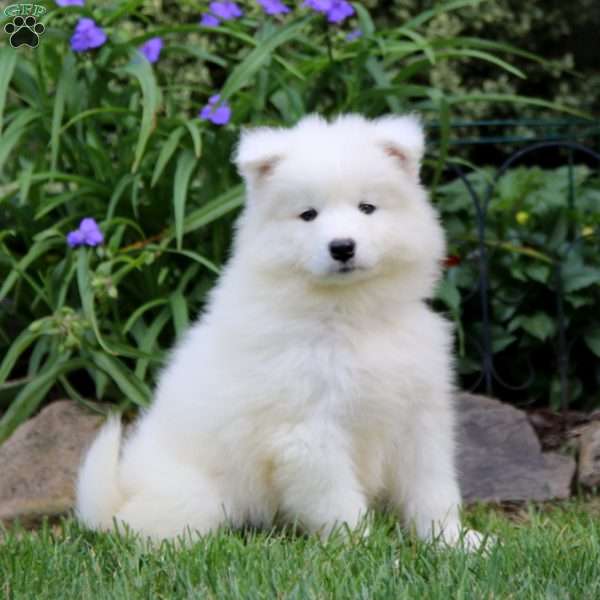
587 231
522 217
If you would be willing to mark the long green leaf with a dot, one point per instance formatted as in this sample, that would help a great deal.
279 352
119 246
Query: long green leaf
10 138
149 338
8 60
193 255
141 69
516 99
86 293
382 80
194 129
31 396
16 349
135 389
92 112
183 173
62 89
179 310
214 209
140 311
244 72
37 249
438 9
166 152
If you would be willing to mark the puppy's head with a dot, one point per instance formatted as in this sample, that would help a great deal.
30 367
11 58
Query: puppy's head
339 203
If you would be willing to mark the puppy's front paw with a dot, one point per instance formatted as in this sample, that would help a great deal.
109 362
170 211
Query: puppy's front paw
469 540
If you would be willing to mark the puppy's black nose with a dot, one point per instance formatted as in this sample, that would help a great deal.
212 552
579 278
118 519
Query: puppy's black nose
342 249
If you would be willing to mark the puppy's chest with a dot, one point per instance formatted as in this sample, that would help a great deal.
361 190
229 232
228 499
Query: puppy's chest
338 367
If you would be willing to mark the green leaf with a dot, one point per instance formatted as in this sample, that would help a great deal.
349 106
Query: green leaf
86 293
30 397
514 99
92 112
149 339
183 173
62 89
141 69
140 311
540 326
578 276
592 339
166 151
382 80
243 73
501 341
37 249
120 187
364 19
16 349
205 262
133 388
194 129
439 8
448 293
180 313
538 272
13 133
214 209
8 60
481 55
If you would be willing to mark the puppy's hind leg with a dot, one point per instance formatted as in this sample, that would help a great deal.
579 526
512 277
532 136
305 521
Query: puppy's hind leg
187 504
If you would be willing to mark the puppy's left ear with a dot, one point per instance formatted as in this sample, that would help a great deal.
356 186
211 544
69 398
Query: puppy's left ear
258 152
403 139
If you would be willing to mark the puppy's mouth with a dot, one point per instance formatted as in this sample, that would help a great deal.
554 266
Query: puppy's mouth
347 269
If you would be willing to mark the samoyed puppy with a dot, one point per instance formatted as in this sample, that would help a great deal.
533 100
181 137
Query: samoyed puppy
318 382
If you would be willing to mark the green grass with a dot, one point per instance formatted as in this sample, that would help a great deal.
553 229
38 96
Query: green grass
545 552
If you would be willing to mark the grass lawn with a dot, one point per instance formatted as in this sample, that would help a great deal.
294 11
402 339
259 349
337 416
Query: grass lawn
545 552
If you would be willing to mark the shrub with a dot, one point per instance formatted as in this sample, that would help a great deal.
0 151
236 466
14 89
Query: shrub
563 33
541 237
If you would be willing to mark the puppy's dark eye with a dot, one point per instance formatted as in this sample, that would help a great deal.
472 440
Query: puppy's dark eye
309 215
367 208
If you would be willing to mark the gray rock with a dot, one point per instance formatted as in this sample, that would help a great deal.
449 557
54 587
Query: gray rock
500 457
589 455
39 462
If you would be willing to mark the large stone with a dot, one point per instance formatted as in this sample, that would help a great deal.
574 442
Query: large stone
39 462
500 457
589 455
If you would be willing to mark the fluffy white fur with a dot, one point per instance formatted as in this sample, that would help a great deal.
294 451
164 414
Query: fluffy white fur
303 391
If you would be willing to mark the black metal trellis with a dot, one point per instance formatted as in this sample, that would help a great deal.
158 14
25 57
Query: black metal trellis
555 136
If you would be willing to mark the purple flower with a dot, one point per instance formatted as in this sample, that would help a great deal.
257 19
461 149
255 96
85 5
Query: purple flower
323 6
88 233
274 7
336 10
215 111
209 20
151 49
226 10
87 36
354 35
70 2
339 11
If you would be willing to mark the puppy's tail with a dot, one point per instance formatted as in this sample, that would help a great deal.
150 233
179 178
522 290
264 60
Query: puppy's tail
98 494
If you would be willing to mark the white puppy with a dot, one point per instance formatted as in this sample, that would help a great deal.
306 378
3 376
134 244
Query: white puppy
318 381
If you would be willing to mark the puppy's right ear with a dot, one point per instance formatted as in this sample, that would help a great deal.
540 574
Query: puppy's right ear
258 153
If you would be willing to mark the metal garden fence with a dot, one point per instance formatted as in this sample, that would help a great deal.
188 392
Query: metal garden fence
548 142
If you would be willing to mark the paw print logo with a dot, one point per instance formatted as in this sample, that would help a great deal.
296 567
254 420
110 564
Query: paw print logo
24 31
